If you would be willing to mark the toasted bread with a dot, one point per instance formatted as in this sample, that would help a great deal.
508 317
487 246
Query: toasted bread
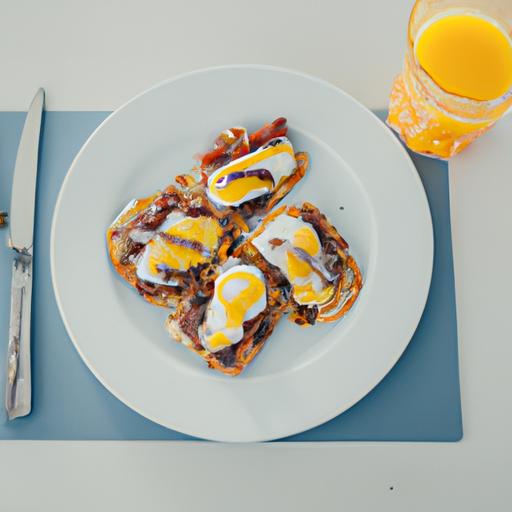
235 143
137 225
348 280
184 326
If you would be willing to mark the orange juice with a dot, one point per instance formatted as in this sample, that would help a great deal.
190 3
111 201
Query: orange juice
466 55
456 82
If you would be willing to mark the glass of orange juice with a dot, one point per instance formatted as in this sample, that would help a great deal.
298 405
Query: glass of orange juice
457 76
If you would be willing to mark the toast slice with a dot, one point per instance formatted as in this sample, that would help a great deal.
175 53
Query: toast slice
138 225
235 143
344 276
185 326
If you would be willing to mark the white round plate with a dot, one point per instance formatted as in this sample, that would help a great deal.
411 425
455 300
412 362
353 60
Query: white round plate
303 376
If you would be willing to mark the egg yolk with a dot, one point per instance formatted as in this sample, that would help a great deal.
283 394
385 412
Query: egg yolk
305 239
237 306
239 188
205 230
218 340
189 243
307 294
165 255
297 267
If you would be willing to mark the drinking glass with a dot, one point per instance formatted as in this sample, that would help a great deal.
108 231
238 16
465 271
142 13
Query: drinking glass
429 118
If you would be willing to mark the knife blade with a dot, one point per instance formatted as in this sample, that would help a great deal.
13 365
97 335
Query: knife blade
18 389
21 216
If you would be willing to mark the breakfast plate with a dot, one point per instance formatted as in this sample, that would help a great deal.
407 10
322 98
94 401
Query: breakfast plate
359 176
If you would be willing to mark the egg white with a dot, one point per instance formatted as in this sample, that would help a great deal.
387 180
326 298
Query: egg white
216 317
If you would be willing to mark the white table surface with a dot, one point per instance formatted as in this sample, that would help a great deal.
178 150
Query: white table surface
95 55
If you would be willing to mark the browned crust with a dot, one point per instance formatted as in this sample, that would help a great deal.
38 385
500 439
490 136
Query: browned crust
304 315
247 350
287 185
311 213
256 333
354 290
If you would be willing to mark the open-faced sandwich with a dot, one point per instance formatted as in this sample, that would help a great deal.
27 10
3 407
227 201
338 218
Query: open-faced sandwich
305 248
249 173
231 326
170 245
191 248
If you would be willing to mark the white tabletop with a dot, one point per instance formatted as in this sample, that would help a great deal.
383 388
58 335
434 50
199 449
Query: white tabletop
94 55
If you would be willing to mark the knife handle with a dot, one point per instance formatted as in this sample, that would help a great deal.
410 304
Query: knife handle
18 389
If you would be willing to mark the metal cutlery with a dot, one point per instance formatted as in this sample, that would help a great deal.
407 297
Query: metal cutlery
18 389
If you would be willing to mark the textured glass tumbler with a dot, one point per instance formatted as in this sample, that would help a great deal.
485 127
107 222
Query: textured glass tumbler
428 118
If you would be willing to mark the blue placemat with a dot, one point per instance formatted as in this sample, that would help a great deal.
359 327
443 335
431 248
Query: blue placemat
419 400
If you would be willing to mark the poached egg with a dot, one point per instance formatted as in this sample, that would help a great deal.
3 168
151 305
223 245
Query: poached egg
240 294
252 175
294 247
180 243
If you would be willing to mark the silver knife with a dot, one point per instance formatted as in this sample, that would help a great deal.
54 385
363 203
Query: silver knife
18 389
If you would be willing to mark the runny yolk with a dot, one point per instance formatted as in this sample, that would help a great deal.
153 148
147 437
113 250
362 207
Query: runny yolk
306 239
205 230
238 189
466 55
236 307
307 294
172 256
297 267
219 339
